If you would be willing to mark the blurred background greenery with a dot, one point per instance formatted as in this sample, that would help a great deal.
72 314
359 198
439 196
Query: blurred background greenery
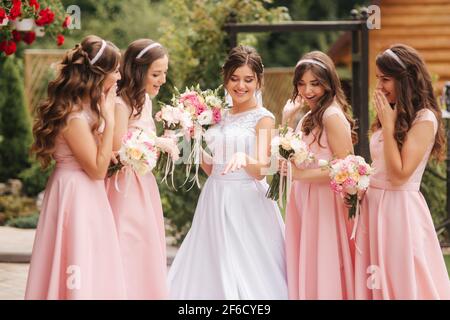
192 30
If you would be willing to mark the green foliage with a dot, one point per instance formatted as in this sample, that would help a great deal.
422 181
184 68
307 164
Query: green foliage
34 179
196 39
197 43
434 190
284 49
51 30
118 21
28 222
15 127
12 206
447 263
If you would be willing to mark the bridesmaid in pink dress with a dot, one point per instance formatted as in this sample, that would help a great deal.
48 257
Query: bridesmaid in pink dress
76 252
319 251
136 202
398 254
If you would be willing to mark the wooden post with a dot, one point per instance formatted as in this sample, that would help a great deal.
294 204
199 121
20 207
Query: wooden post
360 56
232 34
447 104
364 69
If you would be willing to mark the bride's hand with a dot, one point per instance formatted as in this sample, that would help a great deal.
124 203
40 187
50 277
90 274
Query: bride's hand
168 145
238 161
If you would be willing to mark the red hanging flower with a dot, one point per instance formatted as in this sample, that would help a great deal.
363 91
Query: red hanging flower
46 16
29 37
60 39
2 15
16 36
15 10
8 47
66 22
35 4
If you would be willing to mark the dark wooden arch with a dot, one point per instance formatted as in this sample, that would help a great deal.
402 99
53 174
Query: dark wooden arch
360 59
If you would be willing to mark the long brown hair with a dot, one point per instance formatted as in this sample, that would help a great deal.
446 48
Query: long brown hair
77 78
329 80
240 56
131 87
414 91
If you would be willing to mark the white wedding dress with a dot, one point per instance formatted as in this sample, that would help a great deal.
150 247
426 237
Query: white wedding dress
235 247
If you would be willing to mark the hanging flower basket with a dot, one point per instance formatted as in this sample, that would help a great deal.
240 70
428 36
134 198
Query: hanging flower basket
24 20
4 23
40 31
24 24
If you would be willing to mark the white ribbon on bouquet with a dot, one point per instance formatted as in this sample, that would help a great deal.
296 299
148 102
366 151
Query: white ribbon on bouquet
194 156
170 164
355 225
288 184
127 171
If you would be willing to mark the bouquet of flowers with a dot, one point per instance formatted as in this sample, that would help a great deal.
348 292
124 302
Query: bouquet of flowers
138 152
189 115
349 175
206 109
291 147
176 122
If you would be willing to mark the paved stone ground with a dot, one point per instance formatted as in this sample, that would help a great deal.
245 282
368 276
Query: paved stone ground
15 252
16 244
13 279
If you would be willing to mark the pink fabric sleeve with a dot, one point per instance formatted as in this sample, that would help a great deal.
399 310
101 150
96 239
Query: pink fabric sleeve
77 115
426 115
334 109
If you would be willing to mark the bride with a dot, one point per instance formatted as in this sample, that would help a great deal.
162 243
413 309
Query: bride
235 247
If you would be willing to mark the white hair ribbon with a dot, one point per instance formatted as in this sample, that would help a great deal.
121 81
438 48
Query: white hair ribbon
151 46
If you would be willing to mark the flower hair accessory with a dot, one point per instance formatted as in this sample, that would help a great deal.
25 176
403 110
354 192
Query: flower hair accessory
99 53
395 57
150 46
322 65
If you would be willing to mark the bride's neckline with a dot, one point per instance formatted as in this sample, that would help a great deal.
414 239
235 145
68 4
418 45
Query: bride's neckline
244 112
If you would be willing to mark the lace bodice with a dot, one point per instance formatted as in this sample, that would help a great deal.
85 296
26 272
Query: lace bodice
235 133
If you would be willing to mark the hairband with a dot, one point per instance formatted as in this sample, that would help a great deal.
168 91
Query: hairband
396 57
151 46
99 53
311 61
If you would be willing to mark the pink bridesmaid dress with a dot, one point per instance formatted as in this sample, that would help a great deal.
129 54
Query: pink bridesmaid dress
137 209
319 253
76 252
398 254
